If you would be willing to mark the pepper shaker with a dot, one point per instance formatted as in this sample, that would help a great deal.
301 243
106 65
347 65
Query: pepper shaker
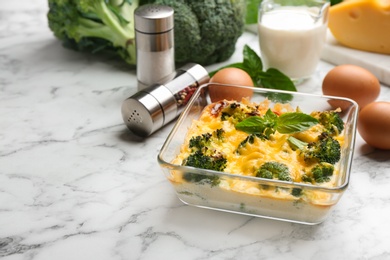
155 106
154 43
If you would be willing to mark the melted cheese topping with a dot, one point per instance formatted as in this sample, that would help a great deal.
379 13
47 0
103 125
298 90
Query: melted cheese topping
251 156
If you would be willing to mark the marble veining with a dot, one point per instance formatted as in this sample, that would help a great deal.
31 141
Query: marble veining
76 184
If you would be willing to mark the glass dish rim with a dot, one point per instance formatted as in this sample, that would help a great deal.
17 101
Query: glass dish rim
274 182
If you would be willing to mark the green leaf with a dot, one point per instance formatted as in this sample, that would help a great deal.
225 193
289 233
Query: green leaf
270 118
252 125
334 2
286 123
296 143
279 97
252 61
294 122
259 125
252 7
273 78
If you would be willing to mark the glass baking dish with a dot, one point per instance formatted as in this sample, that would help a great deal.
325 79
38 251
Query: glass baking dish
207 194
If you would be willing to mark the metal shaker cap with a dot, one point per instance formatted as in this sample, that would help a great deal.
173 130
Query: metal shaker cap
199 73
145 111
153 18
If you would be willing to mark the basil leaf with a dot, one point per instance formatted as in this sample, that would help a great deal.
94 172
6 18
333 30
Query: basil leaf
279 97
270 118
335 2
252 7
275 79
252 125
259 125
252 61
286 123
294 122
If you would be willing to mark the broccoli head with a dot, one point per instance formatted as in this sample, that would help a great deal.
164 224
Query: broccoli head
250 139
322 172
331 121
206 31
326 149
214 161
202 142
319 173
274 170
95 25
203 155
236 112
198 159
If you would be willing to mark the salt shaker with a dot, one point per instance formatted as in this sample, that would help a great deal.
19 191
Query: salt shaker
154 43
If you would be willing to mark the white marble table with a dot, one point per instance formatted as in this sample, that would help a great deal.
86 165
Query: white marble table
76 184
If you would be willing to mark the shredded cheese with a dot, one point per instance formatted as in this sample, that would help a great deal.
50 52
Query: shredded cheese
250 157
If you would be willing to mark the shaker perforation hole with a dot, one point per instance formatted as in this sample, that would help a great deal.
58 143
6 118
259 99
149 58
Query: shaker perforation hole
135 117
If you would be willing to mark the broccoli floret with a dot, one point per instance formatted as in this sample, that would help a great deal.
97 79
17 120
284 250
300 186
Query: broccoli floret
198 159
234 116
206 31
203 142
326 149
236 113
319 173
95 25
203 155
296 192
200 141
219 134
331 120
250 139
274 170
322 172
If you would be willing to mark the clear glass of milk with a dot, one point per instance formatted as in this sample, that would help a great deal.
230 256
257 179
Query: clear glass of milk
292 34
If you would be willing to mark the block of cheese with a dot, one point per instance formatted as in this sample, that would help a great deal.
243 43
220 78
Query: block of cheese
362 24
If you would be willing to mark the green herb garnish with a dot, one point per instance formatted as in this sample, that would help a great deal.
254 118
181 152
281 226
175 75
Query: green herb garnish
287 123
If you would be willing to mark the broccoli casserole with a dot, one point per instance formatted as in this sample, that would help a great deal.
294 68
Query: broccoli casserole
261 158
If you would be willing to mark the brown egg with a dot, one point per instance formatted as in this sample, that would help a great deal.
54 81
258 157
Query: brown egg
374 124
352 82
230 77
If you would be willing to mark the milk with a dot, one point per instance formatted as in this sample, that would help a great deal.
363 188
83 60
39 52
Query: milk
291 41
